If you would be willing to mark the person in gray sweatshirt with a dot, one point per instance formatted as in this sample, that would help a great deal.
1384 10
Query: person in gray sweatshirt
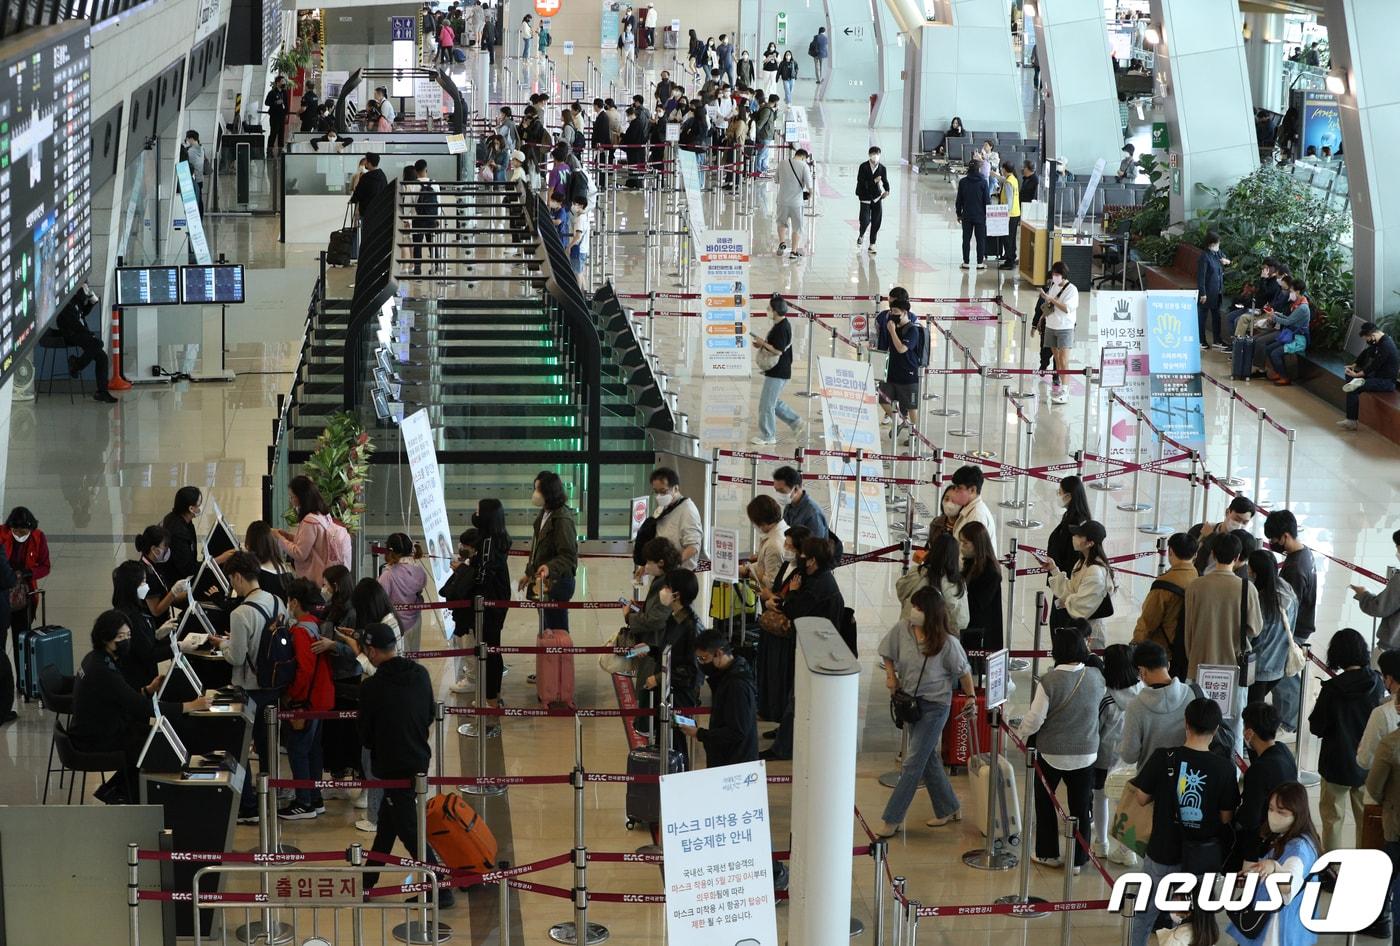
1154 719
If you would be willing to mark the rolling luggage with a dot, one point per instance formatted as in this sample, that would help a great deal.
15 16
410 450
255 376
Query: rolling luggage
957 735
39 647
1242 357
644 798
459 55
1008 801
554 673
341 250
459 835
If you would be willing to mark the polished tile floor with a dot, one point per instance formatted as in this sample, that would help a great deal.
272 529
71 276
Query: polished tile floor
96 476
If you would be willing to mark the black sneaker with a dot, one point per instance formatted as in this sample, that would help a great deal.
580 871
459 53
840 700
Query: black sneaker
102 397
295 812
248 817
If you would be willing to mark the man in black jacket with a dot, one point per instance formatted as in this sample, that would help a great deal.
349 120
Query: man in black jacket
371 182
872 187
1210 285
426 212
71 323
1272 765
971 209
1375 370
277 105
396 712
732 736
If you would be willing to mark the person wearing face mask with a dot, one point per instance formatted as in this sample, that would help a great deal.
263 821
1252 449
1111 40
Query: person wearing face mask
679 589
1086 592
1061 307
111 715
1338 717
482 568
1074 500
941 569
1210 285
971 210
1374 371
900 389
732 736
1271 765
404 580
646 626
676 517
1162 619
340 741
147 649
982 573
549 571
872 187
923 658
1385 606
1287 332
765 516
966 495
182 541
799 509
319 541
1299 569
777 649
26 548
1288 845
771 407
1238 515
154 551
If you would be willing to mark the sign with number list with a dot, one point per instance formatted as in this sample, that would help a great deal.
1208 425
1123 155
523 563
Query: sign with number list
719 860
1218 682
576 88
998 663
724 284
851 421
724 557
421 447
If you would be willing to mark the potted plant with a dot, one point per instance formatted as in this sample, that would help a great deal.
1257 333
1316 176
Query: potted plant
339 466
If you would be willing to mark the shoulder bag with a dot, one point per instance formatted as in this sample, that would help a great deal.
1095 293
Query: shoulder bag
905 709
1247 652
768 360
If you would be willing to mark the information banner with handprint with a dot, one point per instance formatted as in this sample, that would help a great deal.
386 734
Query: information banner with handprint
1174 358
1121 322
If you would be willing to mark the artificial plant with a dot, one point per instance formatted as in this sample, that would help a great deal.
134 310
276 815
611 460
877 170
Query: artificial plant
339 466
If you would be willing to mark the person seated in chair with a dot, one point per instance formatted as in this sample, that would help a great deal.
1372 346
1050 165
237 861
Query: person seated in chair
71 324
1273 344
1375 371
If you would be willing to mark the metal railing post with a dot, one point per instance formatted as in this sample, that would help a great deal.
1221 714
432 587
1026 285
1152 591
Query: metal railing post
1259 458
1106 485
1230 479
1071 824
580 931
945 410
1288 473
965 431
1134 505
133 896
1023 896
1157 528
481 729
1305 776
897 893
878 850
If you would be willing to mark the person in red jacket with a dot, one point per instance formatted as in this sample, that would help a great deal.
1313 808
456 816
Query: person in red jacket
27 551
313 689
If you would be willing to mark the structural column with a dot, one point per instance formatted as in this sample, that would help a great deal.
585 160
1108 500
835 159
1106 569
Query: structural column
1263 55
1081 116
1366 75
1201 76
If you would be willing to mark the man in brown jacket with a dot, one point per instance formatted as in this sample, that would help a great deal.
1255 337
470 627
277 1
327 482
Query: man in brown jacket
1213 620
1163 610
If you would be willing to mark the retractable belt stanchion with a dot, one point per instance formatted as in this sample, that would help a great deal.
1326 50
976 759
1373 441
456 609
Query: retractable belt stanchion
1014 501
268 929
1229 479
897 927
1088 406
879 848
480 727
981 454
503 903
1288 472
1025 521
810 391
1305 776
1128 914
1134 504
965 430
271 765
945 410
1071 826
428 928
992 857
1106 485
1259 457
1036 645
1006 411
1027 834
1025 353
1156 528
912 926
580 931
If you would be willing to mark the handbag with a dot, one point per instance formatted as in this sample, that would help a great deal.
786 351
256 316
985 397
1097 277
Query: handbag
774 622
19 596
904 707
1295 658
1247 654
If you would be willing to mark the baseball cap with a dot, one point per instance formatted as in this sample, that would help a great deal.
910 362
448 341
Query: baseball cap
518 156
1091 530
381 637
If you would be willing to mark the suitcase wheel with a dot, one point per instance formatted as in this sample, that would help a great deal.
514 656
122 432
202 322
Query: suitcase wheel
630 825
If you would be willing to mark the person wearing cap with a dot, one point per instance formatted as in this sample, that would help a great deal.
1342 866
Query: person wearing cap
1087 592
1374 371
516 171
396 713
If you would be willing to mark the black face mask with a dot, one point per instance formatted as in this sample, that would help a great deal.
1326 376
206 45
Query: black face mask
1278 547
123 648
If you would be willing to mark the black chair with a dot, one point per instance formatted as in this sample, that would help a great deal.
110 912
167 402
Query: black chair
56 696
77 761
50 344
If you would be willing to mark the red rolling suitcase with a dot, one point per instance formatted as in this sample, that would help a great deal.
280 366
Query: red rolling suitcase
957 734
554 673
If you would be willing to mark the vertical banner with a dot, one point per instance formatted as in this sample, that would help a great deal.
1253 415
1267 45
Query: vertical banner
694 197
724 554
1121 322
417 432
194 225
719 859
724 283
1174 359
851 421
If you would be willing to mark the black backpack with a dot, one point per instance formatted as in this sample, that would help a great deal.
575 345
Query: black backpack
275 658
1176 648
647 531
812 47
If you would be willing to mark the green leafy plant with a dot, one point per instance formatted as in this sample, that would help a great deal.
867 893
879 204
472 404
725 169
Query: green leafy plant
288 62
339 466
1150 222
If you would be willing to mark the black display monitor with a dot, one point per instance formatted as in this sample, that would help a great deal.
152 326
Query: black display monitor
148 285
220 284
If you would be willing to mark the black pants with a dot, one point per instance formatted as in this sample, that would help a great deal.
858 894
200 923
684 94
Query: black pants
1013 235
871 212
1047 357
1079 785
1257 691
978 229
398 818
277 131
1208 316
93 354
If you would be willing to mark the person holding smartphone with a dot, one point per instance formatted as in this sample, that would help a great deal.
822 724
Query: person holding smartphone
776 350
732 735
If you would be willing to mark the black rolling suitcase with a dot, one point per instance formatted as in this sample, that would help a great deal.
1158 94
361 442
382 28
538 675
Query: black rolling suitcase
644 798
341 249
1242 357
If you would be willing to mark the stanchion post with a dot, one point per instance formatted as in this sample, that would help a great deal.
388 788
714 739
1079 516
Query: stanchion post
273 735
1230 479
913 925
965 431
1006 412
982 414
1259 457
439 739
1010 592
899 911
1305 776
1025 521
878 850
503 907
809 392
133 896
482 730
1288 471
1134 505
1023 896
1088 405
1161 554
992 857
1070 826
1157 528
1105 484
1025 353
1014 407
1036 646
580 931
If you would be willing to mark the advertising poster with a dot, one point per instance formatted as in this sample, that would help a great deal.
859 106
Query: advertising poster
1322 123
418 443
1120 321
1174 359
719 860
193 223
724 316
851 421
694 197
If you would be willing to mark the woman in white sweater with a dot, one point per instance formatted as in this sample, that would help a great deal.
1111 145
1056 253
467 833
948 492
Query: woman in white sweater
767 518
1087 592
941 569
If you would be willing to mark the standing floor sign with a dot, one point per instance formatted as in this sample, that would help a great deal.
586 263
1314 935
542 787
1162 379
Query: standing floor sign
724 276
851 421
694 198
719 859
417 431
724 554
1174 359
198 243
1121 322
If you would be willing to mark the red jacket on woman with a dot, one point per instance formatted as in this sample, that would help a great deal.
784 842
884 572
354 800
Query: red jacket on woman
35 560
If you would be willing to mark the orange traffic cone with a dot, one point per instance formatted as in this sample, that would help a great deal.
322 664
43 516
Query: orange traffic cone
117 382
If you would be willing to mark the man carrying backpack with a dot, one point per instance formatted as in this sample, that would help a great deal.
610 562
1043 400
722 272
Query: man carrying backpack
255 659
1163 617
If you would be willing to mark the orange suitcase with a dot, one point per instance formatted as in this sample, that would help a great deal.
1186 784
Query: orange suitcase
459 835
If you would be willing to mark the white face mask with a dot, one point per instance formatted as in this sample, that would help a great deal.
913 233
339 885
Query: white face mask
1055 280
666 597
162 556
325 593
663 499
536 499
950 508
142 590
1064 500
916 618
789 555
20 538
1279 823
784 498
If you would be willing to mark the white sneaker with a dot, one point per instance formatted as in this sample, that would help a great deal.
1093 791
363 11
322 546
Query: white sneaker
463 685
763 441
1100 850
1059 397
367 826
1348 425
1353 385
872 249
965 266
981 265
362 801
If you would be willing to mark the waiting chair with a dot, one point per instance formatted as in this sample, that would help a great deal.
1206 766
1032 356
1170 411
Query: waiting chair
50 344
56 696
77 761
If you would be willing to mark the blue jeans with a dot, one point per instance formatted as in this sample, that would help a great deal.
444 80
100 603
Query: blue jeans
560 589
1286 700
1274 352
376 795
1354 397
578 259
761 162
923 761
770 403
524 49
787 90
260 700
304 753
1143 922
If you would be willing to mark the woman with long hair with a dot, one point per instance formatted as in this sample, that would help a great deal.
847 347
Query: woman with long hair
140 663
153 547
1290 846
179 526
1278 608
1087 591
1074 500
26 548
319 540
924 659
273 575
982 573
481 569
941 569
340 739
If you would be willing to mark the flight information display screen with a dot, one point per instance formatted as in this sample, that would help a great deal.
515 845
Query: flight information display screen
211 285
45 160
148 285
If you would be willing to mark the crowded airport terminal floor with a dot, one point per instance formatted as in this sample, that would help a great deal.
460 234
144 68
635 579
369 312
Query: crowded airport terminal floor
489 473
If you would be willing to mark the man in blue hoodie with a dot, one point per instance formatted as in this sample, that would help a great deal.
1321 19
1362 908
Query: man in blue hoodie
971 209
